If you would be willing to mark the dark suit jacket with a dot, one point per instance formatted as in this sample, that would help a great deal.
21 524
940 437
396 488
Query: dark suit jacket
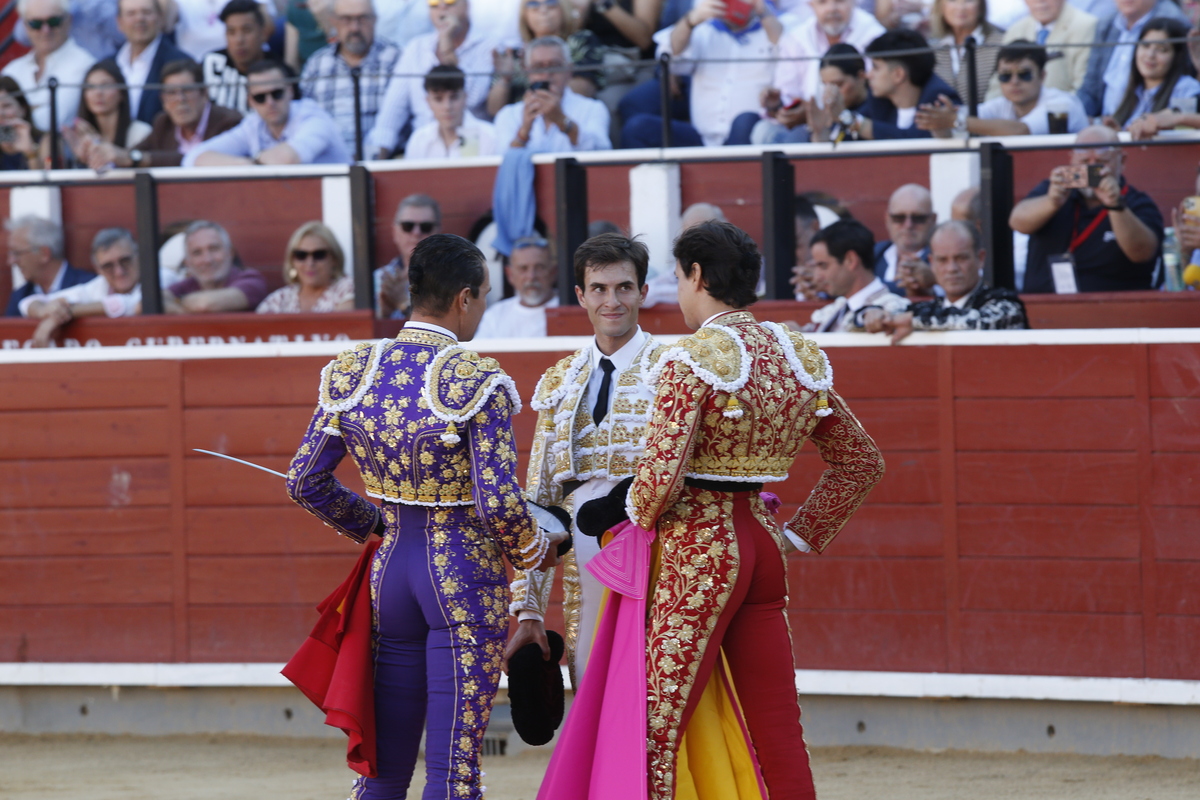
151 102
162 145
883 113
72 277
881 265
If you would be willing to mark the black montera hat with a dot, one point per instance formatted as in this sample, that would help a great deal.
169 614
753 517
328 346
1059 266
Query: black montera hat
535 690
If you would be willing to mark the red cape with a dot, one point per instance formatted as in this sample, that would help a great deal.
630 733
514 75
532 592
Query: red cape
335 667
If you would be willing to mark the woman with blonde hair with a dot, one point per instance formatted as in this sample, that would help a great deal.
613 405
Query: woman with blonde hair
546 18
315 274
952 22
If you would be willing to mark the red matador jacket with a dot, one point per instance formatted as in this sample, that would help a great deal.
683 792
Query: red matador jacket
735 402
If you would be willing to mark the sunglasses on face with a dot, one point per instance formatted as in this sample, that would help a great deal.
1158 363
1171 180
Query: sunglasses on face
274 94
916 219
534 5
408 225
50 22
305 255
1025 76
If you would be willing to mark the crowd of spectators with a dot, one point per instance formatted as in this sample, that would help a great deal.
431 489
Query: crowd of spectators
572 75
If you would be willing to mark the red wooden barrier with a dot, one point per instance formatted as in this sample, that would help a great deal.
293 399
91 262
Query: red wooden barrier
1039 514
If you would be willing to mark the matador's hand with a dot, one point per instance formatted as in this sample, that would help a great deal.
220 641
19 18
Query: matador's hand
530 631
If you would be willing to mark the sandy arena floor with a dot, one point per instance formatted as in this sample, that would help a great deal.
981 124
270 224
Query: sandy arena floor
234 768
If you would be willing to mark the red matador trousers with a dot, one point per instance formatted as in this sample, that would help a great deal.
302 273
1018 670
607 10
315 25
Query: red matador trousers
722 584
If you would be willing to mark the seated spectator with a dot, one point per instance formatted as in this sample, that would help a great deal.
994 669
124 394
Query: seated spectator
957 256
454 42
552 119
19 150
187 119
841 259
901 262
114 292
199 32
326 77
417 218
304 34
1024 107
1056 24
899 83
952 22
1105 238
280 129
807 224
315 275
35 248
1158 76
93 27
53 54
541 18
729 68
844 87
226 71
455 132
532 270
104 118
1109 63
213 285
967 206
797 75
625 29
145 52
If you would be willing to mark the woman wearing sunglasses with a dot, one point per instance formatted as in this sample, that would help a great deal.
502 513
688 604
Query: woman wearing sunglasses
315 274
1158 79
546 18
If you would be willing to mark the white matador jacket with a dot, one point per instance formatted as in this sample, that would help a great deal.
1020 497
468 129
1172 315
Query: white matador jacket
573 460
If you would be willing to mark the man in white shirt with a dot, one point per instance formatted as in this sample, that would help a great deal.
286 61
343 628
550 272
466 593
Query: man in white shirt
54 54
113 293
729 68
144 55
531 270
455 132
841 258
551 118
1023 107
455 42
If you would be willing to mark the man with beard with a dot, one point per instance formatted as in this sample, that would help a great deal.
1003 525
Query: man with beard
531 271
1102 239
326 77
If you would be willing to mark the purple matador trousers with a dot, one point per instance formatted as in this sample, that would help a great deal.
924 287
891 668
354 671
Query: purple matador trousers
440 600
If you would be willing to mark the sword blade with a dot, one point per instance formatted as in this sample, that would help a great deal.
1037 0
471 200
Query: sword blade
240 461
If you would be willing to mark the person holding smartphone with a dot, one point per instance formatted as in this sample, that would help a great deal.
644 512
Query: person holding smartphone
1104 237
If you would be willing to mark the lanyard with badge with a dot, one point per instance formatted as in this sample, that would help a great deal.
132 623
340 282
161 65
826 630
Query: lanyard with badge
1062 266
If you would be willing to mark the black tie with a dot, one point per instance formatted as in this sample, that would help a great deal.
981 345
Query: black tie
601 409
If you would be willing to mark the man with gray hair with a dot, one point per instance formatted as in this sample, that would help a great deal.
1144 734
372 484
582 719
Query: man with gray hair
326 78
214 283
551 118
957 256
53 54
35 247
453 41
417 218
114 292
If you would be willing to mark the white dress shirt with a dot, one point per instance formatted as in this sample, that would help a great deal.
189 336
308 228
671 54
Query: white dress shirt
429 326
405 98
508 319
475 138
722 88
136 71
801 79
310 131
590 115
621 359
1035 120
69 64
96 290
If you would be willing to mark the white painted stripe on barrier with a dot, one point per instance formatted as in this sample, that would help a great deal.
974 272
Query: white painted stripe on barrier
552 344
846 683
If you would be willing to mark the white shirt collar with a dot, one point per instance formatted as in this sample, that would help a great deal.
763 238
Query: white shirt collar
859 299
623 358
429 326
719 313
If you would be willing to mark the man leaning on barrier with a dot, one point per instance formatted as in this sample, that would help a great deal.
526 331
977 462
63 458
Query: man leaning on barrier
1102 237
